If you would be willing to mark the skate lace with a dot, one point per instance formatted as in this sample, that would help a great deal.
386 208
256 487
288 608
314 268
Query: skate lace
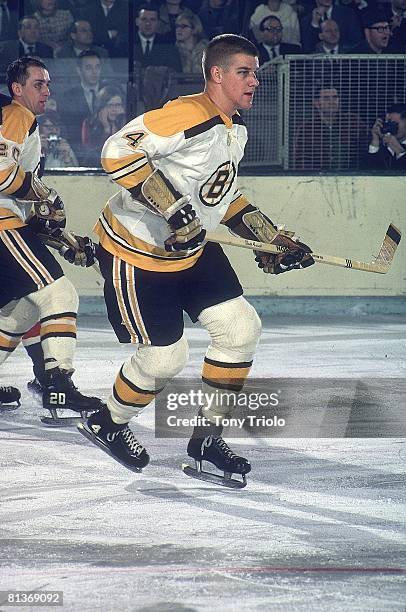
8 389
131 442
222 444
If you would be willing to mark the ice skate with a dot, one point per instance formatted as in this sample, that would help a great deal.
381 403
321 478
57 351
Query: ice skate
116 440
59 393
35 387
9 398
215 450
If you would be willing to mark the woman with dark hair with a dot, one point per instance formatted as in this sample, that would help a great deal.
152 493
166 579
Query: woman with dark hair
108 118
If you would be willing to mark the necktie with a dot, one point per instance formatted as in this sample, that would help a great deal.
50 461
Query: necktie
147 47
30 50
93 98
332 51
274 54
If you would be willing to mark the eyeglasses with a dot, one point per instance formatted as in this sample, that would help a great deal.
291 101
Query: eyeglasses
380 29
271 29
182 26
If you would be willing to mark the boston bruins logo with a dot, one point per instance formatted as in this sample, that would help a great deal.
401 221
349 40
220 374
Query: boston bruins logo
216 187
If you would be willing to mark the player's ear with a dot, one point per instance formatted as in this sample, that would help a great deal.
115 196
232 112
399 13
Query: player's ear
16 89
216 74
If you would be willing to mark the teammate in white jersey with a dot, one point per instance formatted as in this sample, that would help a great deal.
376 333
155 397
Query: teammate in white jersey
32 285
177 168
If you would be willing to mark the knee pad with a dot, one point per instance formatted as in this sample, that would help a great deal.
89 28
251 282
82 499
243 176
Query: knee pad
234 329
57 305
143 375
58 297
15 318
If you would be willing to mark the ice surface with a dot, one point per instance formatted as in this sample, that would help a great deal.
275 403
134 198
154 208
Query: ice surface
320 525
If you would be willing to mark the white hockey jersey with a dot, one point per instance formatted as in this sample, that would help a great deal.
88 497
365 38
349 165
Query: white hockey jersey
198 149
20 151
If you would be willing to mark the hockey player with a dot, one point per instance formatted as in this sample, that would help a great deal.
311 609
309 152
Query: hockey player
177 167
32 284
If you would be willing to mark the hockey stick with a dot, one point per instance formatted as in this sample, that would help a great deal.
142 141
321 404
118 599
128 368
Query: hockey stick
380 264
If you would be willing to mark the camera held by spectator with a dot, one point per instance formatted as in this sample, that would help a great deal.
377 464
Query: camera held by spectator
387 148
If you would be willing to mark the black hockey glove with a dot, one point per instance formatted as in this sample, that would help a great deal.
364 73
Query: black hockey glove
298 256
84 255
188 233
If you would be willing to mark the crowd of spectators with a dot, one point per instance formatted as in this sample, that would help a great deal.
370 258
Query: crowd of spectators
89 38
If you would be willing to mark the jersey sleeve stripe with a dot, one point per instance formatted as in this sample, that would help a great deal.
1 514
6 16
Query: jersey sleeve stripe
235 208
133 175
21 184
11 180
111 165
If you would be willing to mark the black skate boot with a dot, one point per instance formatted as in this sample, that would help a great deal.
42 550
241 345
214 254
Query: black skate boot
216 451
35 387
9 396
59 392
118 441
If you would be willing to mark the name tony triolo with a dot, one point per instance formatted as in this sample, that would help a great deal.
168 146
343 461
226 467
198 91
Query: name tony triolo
252 420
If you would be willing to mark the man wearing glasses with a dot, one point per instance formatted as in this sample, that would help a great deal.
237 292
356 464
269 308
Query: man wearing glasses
272 46
377 35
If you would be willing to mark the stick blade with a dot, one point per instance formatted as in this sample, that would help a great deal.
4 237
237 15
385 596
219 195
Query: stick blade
388 247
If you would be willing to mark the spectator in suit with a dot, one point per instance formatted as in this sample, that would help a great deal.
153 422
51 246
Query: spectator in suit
109 21
344 17
108 117
286 15
395 13
54 23
219 17
271 29
81 39
190 42
26 43
329 36
377 35
387 148
8 19
28 39
151 49
77 103
329 139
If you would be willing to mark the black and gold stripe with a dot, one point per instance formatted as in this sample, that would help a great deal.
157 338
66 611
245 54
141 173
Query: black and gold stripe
224 375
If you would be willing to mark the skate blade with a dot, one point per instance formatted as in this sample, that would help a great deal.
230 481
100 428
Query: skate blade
223 481
85 431
9 407
60 421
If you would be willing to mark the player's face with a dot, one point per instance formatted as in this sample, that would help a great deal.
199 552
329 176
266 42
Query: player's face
238 82
35 93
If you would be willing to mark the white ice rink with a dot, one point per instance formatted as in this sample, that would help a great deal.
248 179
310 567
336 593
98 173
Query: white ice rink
320 525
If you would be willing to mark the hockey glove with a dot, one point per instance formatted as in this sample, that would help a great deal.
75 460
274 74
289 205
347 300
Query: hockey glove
298 256
188 233
162 197
83 255
254 224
